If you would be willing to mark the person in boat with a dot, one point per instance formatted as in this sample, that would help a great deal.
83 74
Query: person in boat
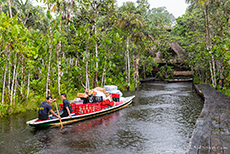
45 108
67 108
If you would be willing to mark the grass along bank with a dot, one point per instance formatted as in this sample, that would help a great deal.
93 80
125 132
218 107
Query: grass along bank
20 104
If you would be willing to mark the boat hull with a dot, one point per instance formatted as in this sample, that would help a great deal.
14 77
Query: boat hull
77 118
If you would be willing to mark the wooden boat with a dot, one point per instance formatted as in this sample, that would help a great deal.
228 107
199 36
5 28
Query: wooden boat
83 112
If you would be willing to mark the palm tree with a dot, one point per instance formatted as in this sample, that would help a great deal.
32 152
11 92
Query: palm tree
138 37
129 19
96 9
31 16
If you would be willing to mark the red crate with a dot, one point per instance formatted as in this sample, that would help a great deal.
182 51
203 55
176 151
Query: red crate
86 108
97 106
115 95
78 109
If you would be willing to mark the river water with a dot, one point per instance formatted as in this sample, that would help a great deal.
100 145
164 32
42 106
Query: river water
160 121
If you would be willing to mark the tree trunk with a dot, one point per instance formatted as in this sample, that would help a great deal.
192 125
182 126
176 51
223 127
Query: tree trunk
59 69
9 80
0 9
28 87
59 63
22 79
103 74
95 76
86 76
13 80
48 74
49 63
127 41
208 43
220 69
4 84
214 72
10 10
27 16
86 69
15 86
136 74
211 71
209 48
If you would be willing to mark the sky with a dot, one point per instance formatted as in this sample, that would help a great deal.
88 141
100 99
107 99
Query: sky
176 7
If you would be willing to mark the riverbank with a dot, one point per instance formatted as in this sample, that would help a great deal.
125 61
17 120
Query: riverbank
21 105
212 133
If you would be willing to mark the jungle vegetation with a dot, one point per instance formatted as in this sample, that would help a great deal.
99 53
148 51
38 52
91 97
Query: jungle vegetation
69 46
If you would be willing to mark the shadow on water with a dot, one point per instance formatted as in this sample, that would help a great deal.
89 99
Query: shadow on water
160 120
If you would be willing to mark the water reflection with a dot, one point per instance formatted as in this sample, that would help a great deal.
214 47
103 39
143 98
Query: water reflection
160 120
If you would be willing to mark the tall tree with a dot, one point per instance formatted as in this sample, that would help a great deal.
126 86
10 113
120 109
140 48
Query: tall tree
49 53
129 19
10 10
210 21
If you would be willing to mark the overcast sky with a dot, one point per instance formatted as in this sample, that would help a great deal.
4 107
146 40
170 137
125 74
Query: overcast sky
176 7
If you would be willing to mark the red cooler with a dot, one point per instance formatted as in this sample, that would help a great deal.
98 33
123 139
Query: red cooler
116 97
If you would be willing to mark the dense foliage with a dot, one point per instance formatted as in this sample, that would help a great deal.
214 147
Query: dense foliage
204 33
69 46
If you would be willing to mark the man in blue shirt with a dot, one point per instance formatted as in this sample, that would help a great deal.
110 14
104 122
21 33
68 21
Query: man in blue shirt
67 108
45 108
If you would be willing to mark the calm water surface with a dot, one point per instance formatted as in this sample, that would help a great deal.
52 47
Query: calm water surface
160 121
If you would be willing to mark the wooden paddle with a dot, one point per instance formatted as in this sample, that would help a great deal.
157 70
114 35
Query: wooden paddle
58 113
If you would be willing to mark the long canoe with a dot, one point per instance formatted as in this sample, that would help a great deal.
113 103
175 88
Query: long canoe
125 101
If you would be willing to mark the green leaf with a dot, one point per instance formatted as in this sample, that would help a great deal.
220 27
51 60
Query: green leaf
48 14
36 56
